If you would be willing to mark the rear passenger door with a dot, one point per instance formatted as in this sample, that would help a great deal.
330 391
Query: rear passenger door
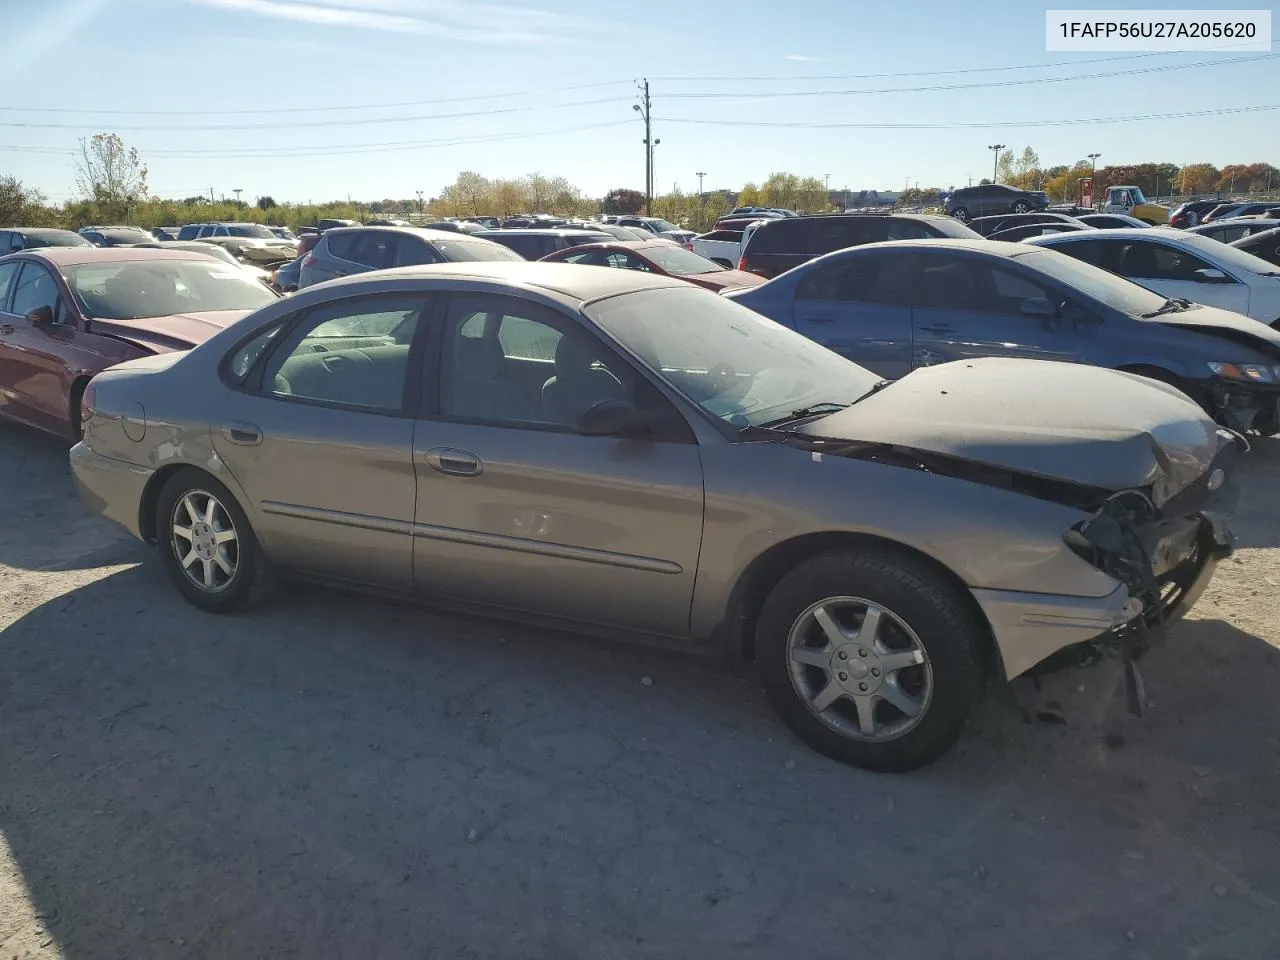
320 437
858 307
979 307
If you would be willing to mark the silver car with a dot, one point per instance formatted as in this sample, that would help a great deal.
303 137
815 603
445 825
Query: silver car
628 455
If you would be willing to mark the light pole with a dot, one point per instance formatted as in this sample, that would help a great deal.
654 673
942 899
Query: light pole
237 191
701 197
420 206
1093 162
995 149
700 174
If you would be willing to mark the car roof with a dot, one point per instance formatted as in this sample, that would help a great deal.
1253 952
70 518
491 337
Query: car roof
423 232
1131 233
569 280
74 256
620 244
547 232
41 231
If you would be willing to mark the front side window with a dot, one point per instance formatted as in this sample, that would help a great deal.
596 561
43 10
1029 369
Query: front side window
967 283
734 363
1140 260
510 362
35 288
134 289
353 354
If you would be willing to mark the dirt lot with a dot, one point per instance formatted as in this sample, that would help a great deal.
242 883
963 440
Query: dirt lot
333 776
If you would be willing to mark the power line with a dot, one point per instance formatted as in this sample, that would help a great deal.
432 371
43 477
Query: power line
965 86
350 122
977 125
721 78
325 109
338 149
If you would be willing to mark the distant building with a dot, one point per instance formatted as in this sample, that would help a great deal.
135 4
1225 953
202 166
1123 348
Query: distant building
862 199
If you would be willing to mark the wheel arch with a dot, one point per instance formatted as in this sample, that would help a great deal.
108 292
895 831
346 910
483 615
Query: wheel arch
151 494
747 597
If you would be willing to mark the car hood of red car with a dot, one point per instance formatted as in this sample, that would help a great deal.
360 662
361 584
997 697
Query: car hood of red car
725 279
180 331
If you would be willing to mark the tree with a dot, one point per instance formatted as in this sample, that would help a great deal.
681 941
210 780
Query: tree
20 205
1004 167
812 196
110 174
266 203
623 200
1198 178
749 196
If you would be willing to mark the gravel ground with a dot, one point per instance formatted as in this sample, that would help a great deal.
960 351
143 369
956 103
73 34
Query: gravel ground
334 776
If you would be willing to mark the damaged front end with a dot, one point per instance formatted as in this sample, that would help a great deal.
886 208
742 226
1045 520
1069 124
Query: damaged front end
1164 553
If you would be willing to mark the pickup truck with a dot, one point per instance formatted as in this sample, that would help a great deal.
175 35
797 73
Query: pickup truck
720 246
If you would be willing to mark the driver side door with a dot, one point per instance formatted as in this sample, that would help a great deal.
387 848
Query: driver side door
517 509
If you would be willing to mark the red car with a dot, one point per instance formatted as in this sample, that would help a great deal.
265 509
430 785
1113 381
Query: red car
67 313
651 256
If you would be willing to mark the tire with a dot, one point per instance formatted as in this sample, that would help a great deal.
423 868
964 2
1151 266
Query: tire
961 214
250 575
920 615
1022 207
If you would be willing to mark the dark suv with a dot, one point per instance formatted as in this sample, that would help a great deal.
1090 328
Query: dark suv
344 251
989 198
778 245
536 244
29 238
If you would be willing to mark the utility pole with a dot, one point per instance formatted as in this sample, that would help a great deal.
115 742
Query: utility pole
237 191
995 149
643 109
211 200
702 200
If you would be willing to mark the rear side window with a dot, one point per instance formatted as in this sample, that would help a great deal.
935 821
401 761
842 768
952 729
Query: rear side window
462 251
189 232
855 280
727 236
341 244
778 236
531 248
1100 253
374 249
908 230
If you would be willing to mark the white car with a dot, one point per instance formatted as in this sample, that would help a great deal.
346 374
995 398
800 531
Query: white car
659 228
1181 266
1234 228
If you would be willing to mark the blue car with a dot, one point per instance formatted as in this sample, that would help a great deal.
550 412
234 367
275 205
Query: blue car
892 307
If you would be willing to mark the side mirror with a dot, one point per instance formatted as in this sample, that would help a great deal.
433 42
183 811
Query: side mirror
40 317
612 418
1210 275
1041 307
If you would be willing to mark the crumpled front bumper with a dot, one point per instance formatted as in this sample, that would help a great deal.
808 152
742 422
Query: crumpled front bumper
1245 406
1047 631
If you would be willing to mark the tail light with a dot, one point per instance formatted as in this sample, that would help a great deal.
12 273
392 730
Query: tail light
688 244
742 264
309 260
87 398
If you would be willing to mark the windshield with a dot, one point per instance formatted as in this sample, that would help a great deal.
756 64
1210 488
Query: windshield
680 262
732 362
255 230
1136 193
662 226
208 249
1231 257
125 235
135 289
1115 292
476 249
56 239
948 227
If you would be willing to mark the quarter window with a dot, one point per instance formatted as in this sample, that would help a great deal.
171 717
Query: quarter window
374 249
353 354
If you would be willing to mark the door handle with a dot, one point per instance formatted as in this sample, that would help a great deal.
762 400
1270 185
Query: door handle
456 463
242 433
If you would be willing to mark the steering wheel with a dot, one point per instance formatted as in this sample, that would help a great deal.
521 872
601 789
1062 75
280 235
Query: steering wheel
721 376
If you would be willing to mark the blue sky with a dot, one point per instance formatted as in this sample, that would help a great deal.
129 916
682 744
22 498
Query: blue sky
432 83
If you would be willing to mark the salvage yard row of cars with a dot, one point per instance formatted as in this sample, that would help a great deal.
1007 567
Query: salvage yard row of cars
808 465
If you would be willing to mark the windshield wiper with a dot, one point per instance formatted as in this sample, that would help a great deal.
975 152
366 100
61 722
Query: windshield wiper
1171 306
812 410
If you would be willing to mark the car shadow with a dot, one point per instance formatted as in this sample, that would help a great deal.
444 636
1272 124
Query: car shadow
43 524
1256 519
335 776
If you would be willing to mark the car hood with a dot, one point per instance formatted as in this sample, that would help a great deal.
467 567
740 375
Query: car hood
1211 320
678 235
181 331
1085 425
724 280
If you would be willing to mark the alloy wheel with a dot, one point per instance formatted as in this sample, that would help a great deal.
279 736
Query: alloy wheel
203 538
859 668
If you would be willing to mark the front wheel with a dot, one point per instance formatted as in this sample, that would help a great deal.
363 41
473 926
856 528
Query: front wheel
961 214
1021 207
206 544
870 657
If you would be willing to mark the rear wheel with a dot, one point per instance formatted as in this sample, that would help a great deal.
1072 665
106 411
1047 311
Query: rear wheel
206 544
961 214
1022 207
870 657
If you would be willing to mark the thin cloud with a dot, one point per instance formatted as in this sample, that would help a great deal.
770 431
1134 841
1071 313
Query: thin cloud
471 22
39 38
801 58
